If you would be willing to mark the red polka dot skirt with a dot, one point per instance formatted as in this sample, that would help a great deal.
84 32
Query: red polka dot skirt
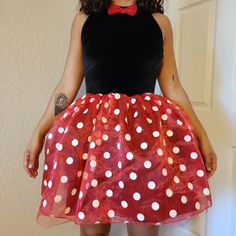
114 158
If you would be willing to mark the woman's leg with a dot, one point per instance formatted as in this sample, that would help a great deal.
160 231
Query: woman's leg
141 230
95 229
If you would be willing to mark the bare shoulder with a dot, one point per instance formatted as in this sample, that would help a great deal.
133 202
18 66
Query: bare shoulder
79 19
164 22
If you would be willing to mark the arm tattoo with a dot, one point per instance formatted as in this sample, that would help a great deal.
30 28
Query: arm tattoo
61 102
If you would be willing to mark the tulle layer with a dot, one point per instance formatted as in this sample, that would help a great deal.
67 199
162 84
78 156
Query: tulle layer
114 158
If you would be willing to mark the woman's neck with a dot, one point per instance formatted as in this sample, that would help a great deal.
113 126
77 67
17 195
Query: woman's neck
123 2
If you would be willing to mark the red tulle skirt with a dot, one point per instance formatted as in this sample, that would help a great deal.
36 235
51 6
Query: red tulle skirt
114 158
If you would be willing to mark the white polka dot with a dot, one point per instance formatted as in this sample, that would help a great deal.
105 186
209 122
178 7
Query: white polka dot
57 198
175 149
154 108
193 155
133 175
190 185
179 122
106 155
169 133
74 142
67 210
79 125
147 164
49 183
95 203
150 121
105 137
80 194
164 171
116 111
197 205
200 173
169 192
60 130
81 215
147 98
129 155
108 173
66 130
183 199
45 182
155 134
164 117
94 183
143 145
55 165
172 213
44 203
117 95
73 191
93 163
104 119
124 204
127 137
139 129
119 164
176 179
206 191
187 138
182 167
50 135
140 216
118 146
79 173
109 193
64 179
136 196
155 206
111 213
85 156
117 128
151 185
69 160
59 146
159 152
135 114
170 160
121 184
92 145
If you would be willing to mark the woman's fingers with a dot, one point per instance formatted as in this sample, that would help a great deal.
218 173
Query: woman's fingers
30 163
211 164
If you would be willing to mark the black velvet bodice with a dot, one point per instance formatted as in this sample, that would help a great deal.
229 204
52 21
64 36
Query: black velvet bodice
121 53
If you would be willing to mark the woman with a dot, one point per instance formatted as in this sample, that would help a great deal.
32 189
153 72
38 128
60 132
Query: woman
120 153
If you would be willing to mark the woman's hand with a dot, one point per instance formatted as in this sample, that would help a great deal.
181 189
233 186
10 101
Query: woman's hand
209 155
31 155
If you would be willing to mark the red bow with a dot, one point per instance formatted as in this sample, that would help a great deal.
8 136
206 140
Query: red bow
131 10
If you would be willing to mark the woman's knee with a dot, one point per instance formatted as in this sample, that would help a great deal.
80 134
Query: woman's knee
140 230
95 229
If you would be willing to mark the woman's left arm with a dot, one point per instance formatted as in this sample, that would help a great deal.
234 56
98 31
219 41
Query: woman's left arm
171 87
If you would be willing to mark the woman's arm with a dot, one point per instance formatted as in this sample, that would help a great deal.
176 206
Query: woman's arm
64 93
70 82
171 87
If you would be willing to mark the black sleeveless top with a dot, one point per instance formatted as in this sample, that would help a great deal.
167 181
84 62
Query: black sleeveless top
121 53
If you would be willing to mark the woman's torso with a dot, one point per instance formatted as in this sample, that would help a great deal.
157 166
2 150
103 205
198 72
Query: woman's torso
121 53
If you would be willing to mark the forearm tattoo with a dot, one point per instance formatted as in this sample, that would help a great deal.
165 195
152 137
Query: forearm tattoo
61 102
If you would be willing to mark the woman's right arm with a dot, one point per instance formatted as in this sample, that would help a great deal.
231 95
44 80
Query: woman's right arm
63 94
70 82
